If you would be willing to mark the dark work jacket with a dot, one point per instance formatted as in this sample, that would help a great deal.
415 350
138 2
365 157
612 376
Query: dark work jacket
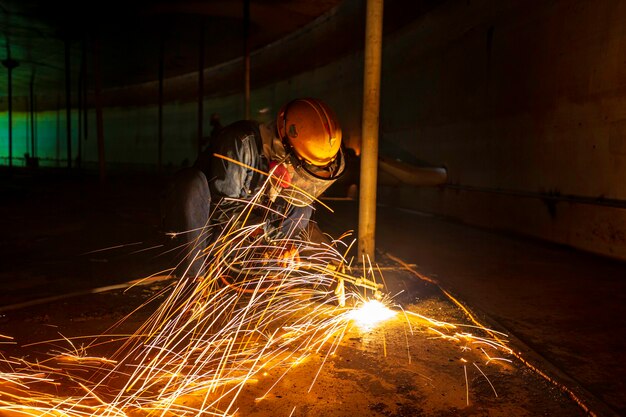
240 141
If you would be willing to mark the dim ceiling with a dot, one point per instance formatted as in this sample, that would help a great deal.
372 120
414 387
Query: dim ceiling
39 36
44 38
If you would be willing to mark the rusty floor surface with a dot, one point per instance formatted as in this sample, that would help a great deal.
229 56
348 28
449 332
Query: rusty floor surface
56 229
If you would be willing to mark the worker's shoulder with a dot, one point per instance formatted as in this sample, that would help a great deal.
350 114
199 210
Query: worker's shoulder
241 129
244 133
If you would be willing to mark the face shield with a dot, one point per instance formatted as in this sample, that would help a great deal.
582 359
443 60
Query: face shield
299 183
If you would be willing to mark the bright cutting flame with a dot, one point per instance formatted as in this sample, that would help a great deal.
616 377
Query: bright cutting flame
370 314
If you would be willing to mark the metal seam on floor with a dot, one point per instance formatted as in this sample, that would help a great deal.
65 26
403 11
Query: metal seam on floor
591 404
124 285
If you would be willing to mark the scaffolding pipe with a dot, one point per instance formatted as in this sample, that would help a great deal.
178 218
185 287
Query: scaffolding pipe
10 64
201 88
246 58
85 87
161 74
369 128
80 104
33 152
68 102
10 98
99 116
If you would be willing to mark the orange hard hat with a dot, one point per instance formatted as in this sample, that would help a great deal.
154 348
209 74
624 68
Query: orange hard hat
311 130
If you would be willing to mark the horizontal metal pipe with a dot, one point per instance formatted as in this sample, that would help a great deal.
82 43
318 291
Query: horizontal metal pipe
393 172
554 197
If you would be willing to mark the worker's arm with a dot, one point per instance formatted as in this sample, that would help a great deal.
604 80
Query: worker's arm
236 180
228 178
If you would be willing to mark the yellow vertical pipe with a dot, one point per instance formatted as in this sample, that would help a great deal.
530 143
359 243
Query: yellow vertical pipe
369 127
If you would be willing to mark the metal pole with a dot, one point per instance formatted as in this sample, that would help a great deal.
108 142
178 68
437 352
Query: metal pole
10 64
68 102
161 65
85 87
10 117
80 105
33 151
57 154
201 88
99 116
246 57
369 128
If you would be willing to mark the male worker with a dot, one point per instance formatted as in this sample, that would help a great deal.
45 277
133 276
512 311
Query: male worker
301 153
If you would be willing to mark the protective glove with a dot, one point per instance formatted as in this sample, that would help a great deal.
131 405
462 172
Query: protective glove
287 256
279 179
290 257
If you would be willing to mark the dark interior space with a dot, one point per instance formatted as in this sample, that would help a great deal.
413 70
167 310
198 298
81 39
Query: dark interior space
498 235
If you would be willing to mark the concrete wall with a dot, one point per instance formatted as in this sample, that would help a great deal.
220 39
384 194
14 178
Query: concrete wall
524 102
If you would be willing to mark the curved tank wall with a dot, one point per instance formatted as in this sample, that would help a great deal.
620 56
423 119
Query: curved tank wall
523 102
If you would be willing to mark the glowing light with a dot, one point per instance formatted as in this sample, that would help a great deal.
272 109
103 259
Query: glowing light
370 314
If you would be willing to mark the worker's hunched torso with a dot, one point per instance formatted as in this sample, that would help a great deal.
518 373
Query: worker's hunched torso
240 141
